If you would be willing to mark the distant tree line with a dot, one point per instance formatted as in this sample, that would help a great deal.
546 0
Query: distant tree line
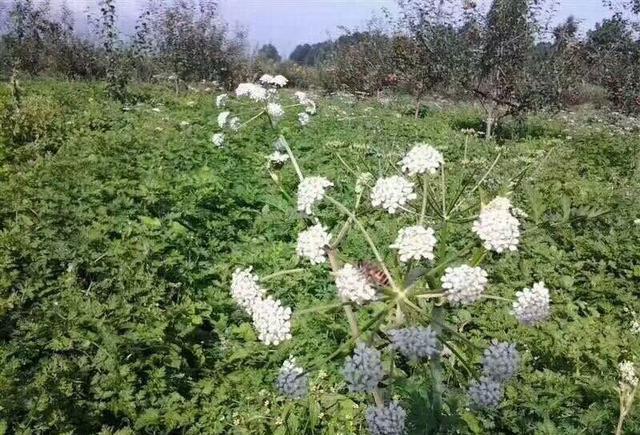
504 54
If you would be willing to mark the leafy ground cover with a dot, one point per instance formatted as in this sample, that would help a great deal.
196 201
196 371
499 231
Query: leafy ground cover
120 228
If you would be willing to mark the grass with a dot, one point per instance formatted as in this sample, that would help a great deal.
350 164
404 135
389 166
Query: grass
119 231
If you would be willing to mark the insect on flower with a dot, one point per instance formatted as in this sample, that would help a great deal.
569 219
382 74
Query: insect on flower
374 274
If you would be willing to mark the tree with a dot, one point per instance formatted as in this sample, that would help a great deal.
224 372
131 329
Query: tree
269 52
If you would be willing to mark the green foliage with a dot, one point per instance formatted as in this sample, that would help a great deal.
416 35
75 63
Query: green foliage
119 231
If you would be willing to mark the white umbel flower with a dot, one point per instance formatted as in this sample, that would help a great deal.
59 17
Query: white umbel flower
223 119
422 158
272 320
311 190
386 420
221 100
628 376
533 305
275 111
415 243
464 284
278 158
353 285
280 81
312 243
218 139
266 79
252 91
234 123
292 381
303 118
498 229
392 193
245 289
308 103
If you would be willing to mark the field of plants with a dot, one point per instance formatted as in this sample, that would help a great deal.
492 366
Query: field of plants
121 228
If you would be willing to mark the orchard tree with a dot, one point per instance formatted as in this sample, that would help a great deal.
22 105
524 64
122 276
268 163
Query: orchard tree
269 52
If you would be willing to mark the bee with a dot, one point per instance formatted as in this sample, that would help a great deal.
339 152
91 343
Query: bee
374 274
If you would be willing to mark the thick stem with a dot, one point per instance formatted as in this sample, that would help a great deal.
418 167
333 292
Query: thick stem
294 162
423 210
435 366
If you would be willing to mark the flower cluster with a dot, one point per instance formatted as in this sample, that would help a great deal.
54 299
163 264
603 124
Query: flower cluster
311 190
533 305
392 193
464 284
312 243
500 361
303 118
308 103
497 227
221 100
353 285
270 318
415 343
363 371
252 91
225 120
628 376
275 111
386 420
245 289
486 393
415 243
292 381
278 81
218 139
420 159
278 158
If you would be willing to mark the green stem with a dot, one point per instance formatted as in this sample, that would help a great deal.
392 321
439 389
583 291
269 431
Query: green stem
444 193
423 210
435 366
294 162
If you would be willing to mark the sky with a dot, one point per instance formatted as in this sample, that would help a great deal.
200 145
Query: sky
287 23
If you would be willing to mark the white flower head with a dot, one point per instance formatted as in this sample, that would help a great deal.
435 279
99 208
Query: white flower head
533 305
415 243
311 190
353 285
272 320
308 103
391 193
218 139
278 158
280 81
292 381
312 243
252 91
628 375
234 123
223 118
221 100
422 158
498 229
275 111
245 289
266 79
464 284
303 118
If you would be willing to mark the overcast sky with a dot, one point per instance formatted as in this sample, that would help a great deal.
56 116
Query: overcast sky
286 23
